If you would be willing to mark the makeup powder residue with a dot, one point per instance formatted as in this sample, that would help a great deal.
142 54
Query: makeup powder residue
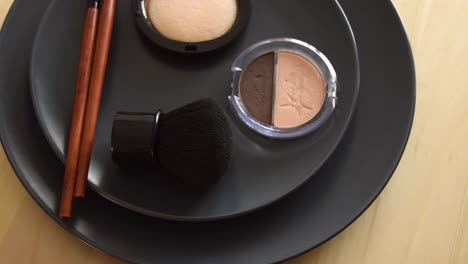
300 91
192 20
256 88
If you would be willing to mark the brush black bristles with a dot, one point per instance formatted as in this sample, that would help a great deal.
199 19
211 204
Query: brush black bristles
195 143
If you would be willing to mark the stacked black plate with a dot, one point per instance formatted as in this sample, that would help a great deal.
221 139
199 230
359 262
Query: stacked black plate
346 177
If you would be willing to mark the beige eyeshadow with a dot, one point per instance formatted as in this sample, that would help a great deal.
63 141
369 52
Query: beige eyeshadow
192 20
300 91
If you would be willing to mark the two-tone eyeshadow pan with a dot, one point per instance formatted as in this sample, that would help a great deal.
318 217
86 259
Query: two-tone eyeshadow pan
283 88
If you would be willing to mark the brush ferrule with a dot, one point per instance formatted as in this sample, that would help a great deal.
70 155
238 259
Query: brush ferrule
134 137
155 145
94 3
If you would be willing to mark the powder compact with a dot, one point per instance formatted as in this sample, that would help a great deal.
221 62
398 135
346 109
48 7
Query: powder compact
283 88
192 26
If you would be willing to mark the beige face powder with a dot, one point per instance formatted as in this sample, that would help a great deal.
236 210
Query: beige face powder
192 20
300 91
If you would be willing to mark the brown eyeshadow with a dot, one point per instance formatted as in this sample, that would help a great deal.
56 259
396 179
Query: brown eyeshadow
256 88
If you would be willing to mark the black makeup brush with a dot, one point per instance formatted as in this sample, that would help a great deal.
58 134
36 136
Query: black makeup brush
192 143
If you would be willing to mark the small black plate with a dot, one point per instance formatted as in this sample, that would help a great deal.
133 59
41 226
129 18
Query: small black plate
143 78
338 193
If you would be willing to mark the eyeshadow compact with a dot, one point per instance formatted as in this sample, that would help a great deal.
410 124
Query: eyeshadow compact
283 88
192 26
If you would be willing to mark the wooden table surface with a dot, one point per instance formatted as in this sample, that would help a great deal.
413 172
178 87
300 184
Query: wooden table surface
421 217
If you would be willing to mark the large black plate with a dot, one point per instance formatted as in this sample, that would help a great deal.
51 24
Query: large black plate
142 77
347 184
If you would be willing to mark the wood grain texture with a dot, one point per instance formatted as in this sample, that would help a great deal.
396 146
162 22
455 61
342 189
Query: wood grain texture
421 217
88 43
93 103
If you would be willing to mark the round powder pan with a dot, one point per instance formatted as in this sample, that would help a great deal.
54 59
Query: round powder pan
151 32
